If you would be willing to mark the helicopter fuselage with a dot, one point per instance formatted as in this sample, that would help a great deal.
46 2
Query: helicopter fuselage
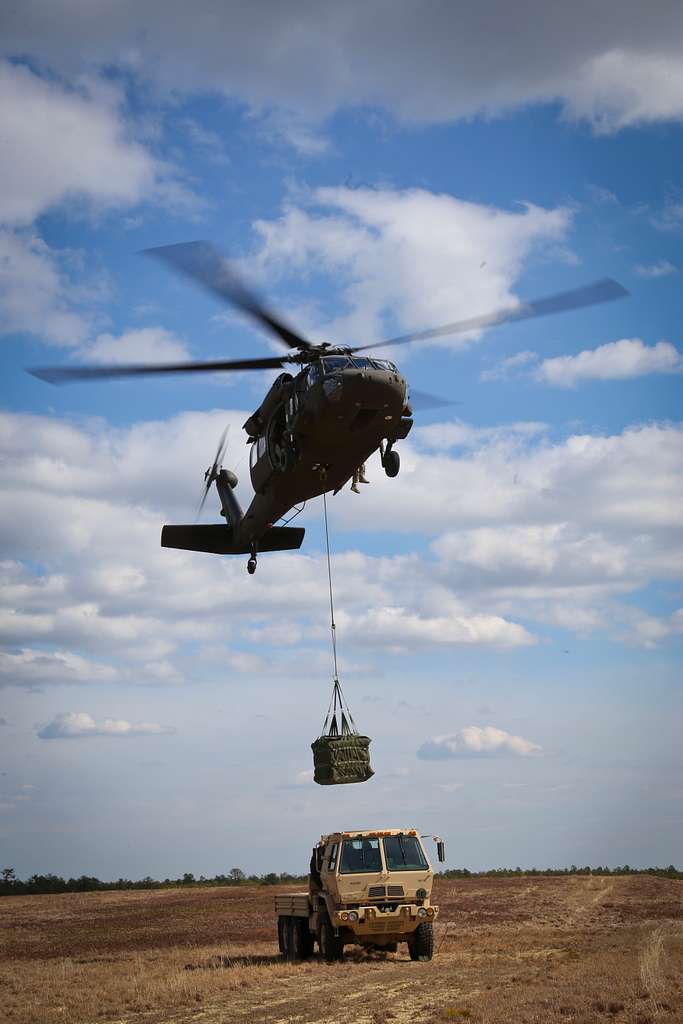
313 430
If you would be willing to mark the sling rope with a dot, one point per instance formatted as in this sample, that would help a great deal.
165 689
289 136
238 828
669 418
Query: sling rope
337 698
329 579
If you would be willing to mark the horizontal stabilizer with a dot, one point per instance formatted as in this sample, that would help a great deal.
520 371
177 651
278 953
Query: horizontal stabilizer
217 539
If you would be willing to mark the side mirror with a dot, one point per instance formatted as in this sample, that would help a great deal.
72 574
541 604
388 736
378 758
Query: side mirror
319 857
441 850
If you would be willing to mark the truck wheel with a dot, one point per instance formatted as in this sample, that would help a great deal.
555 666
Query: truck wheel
331 946
308 941
421 943
301 939
282 929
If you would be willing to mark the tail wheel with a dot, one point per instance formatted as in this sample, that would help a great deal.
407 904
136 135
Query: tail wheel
331 946
421 943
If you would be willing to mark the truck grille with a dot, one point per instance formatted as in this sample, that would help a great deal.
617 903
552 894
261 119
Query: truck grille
394 890
376 892
391 925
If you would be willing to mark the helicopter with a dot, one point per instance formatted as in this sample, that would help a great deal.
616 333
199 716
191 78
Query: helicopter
315 427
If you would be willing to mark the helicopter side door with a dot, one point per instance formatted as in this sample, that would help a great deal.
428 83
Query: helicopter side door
260 466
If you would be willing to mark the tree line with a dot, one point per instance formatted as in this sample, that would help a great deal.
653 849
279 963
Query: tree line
670 872
10 885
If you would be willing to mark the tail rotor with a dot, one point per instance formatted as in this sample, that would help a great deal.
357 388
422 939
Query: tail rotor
213 470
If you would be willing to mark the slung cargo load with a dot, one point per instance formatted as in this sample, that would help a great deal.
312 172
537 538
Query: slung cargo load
340 754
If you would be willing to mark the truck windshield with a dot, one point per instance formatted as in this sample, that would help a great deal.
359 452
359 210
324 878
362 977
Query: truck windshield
360 855
404 853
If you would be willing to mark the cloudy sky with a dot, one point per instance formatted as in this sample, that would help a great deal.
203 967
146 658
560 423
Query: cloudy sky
510 608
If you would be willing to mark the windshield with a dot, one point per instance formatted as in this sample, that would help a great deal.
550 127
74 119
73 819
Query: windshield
333 364
404 853
360 855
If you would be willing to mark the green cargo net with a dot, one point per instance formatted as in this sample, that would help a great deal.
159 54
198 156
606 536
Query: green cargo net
340 754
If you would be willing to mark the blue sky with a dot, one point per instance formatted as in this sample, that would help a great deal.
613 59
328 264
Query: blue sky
511 601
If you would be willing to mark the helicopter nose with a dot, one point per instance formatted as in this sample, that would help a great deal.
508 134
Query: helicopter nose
374 388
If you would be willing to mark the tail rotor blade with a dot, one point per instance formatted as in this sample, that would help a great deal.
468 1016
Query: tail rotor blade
212 471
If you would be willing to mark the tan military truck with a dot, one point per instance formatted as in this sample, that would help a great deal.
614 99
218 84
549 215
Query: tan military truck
369 888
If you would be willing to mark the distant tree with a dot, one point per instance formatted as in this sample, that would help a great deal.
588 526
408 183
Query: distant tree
188 878
8 875
237 876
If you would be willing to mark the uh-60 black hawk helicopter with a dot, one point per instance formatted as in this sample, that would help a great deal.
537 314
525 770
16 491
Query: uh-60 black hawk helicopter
314 428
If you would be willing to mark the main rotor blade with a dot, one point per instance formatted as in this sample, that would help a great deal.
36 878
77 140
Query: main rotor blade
423 400
605 290
202 262
64 374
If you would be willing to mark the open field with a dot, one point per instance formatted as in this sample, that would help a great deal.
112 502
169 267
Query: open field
509 950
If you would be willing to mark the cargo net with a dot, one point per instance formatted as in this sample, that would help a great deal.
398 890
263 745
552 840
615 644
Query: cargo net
340 754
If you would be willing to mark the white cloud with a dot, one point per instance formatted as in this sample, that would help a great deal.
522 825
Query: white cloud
402 629
510 366
63 143
406 259
652 270
648 630
38 291
38 668
476 741
71 725
141 345
456 434
618 360
455 62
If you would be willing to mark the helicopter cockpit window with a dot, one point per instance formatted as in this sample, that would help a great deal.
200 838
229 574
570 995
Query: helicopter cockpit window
333 364
315 373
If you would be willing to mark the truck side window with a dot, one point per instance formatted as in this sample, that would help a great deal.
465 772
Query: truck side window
333 857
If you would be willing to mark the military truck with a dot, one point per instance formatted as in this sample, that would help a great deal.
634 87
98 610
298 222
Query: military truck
369 888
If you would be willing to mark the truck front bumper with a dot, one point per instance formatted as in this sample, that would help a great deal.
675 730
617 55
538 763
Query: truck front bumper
369 921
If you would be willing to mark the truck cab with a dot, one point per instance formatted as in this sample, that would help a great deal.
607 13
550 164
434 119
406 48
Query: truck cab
368 887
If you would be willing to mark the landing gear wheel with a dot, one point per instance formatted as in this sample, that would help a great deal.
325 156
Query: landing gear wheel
392 463
331 946
251 566
421 943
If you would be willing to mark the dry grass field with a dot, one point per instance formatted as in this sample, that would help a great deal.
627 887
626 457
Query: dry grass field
520 950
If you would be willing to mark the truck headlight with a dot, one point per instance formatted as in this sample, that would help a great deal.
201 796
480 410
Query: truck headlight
422 912
421 894
353 916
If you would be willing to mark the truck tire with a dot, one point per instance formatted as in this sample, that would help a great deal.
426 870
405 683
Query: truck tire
331 946
282 922
301 942
421 942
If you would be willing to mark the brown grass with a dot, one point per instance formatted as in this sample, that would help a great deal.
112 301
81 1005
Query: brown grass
522 950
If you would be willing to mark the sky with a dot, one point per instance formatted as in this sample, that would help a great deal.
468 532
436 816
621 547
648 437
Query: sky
510 607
